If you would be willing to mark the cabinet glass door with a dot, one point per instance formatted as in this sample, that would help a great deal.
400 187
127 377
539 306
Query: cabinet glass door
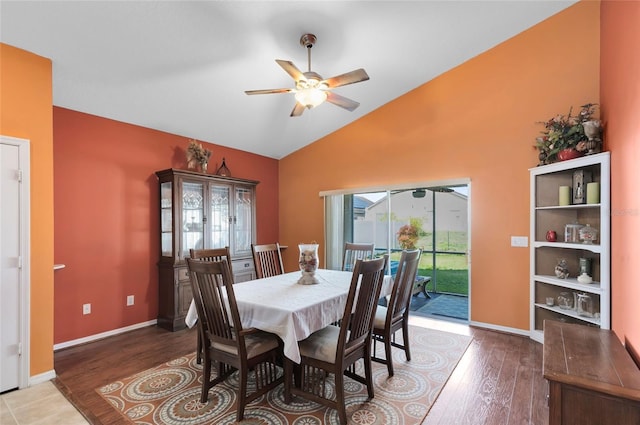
220 219
243 220
166 219
192 217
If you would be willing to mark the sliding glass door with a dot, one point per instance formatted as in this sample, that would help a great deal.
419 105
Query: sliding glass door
434 219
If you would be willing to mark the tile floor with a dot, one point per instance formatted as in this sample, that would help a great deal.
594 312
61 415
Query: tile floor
41 404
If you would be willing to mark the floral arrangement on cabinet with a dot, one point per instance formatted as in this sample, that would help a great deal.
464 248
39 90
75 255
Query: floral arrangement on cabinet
570 136
197 155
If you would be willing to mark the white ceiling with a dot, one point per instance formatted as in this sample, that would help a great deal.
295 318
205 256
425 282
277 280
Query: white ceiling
182 66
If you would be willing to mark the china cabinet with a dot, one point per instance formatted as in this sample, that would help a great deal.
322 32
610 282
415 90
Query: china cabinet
584 295
199 211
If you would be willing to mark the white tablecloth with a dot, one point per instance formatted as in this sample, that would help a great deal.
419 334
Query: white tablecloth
279 305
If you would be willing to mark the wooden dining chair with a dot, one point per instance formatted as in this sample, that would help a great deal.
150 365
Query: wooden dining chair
213 254
356 251
336 349
267 259
228 344
388 320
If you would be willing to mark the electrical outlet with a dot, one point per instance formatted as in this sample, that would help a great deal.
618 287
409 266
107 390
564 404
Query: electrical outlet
130 300
86 308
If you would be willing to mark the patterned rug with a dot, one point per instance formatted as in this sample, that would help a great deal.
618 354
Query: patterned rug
169 394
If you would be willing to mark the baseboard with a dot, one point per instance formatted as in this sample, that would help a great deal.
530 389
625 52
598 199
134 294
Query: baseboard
102 335
500 328
632 351
42 377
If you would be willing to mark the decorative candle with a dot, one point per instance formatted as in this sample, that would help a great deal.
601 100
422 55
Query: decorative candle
564 195
593 193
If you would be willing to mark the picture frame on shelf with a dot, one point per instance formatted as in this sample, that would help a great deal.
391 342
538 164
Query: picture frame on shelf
580 180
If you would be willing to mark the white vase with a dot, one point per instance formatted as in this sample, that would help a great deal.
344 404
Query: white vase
584 278
308 262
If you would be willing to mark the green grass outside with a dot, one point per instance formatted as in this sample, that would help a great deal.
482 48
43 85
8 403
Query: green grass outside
452 274
445 241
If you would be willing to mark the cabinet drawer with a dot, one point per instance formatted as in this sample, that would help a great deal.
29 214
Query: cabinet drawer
242 266
243 270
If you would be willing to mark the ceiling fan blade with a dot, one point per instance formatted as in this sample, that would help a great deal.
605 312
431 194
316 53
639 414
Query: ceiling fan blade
298 109
268 91
342 101
348 78
291 69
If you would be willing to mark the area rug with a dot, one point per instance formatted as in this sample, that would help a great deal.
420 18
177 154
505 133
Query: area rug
169 394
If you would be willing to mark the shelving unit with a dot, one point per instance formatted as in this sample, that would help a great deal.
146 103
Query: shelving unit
198 211
546 214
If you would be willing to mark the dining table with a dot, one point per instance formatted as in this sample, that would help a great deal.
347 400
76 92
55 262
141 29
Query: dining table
292 311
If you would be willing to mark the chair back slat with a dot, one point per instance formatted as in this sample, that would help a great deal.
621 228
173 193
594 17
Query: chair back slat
403 285
212 254
356 251
215 300
364 292
268 260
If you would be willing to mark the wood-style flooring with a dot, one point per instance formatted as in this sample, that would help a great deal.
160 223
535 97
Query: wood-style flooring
497 382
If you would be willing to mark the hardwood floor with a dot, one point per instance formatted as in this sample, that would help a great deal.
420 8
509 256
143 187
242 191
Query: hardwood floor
498 381
83 368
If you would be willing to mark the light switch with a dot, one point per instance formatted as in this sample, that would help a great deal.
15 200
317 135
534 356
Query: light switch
520 241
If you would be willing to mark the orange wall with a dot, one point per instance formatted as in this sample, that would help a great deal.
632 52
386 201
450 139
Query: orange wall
478 121
620 87
107 220
25 112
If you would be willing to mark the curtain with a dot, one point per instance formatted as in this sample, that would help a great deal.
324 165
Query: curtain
333 231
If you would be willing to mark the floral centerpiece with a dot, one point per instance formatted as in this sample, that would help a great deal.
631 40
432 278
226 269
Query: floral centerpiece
564 136
197 155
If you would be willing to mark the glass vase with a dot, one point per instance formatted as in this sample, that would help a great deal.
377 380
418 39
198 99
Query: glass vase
308 263
588 234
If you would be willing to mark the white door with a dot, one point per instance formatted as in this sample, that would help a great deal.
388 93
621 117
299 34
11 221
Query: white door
12 302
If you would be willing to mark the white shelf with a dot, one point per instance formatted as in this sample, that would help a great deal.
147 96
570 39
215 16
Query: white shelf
570 313
595 248
544 183
569 207
570 283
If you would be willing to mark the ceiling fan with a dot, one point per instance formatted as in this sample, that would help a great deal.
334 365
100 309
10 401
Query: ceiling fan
311 89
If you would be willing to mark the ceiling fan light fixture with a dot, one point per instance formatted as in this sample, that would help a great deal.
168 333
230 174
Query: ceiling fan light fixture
311 89
310 97
311 92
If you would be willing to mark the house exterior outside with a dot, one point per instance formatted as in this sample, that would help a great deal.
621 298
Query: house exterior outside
452 215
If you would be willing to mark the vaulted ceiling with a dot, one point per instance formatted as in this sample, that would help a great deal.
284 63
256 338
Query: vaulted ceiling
183 66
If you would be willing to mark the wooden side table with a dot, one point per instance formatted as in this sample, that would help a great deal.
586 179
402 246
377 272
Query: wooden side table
592 378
